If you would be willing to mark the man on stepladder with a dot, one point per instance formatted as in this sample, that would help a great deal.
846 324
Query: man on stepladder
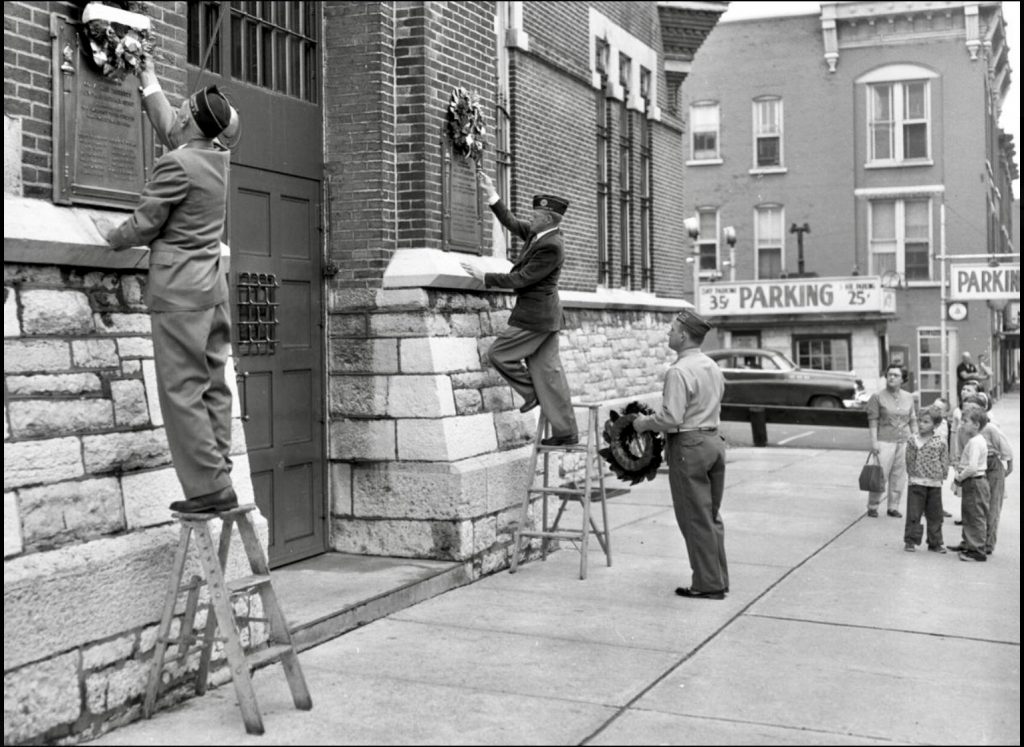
525 353
181 216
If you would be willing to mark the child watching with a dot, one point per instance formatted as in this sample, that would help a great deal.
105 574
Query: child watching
1000 464
970 477
927 467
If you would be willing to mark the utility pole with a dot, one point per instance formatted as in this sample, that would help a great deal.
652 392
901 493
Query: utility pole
800 231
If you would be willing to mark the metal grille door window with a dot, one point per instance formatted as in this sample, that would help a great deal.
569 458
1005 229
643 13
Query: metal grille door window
257 313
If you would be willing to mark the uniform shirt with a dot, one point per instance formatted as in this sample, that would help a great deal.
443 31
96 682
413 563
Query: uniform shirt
692 395
927 460
973 459
893 414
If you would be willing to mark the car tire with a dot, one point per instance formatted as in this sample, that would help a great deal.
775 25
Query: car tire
830 403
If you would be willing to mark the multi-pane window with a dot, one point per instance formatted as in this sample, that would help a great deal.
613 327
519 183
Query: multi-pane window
646 181
767 132
625 175
604 175
929 361
898 121
900 238
704 126
769 238
272 44
822 353
707 243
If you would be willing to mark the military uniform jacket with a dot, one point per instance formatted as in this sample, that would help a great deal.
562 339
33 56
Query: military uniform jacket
533 278
180 216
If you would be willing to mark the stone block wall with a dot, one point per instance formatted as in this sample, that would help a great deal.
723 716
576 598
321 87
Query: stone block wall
88 538
429 452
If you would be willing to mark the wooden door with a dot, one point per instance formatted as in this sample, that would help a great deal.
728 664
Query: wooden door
276 289
266 57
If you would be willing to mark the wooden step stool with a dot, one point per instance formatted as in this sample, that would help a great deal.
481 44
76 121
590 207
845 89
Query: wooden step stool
213 563
593 489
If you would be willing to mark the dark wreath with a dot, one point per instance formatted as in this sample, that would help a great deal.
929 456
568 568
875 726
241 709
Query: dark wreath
633 457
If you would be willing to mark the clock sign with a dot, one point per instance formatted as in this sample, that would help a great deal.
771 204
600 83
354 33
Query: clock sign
957 311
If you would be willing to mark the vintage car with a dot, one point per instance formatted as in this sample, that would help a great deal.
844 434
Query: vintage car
758 376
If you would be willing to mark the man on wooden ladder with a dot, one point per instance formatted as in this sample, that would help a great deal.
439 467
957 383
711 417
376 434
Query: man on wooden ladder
181 215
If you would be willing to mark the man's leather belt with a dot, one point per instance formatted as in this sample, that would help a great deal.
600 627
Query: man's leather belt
708 429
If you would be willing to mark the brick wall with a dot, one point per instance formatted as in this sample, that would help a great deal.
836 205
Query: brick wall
28 79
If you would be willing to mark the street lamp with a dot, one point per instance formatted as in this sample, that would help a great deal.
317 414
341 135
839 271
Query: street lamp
730 238
693 229
800 231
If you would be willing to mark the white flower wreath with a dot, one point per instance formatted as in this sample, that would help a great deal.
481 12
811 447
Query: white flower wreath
465 125
119 40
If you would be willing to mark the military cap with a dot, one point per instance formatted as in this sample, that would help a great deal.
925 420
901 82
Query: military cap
211 111
548 202
693 322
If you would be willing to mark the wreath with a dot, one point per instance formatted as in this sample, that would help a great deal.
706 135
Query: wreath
633 457
465 125
118 38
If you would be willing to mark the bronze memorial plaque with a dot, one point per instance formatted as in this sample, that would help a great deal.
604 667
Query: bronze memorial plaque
461 206
103 148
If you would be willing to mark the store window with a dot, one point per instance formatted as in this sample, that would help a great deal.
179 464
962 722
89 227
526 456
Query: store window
822 353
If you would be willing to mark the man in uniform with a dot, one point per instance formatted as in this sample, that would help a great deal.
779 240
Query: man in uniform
690 408
181 216
532 331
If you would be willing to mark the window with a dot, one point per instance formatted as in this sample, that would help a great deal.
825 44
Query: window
822 353
900 238
646 181
929 361
767 133
769 242
745 340
272 45
625 175
604 155
704 131
898 125
707 243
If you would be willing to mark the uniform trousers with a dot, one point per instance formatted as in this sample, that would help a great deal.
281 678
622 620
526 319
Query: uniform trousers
541 375
893 458
696 476
190 350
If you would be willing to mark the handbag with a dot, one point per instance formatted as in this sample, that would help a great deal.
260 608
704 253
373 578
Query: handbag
872 478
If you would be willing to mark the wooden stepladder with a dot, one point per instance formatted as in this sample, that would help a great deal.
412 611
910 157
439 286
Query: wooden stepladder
220 615
593 489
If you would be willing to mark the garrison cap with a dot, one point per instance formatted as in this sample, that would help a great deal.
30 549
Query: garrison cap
211 111
549 202
693 322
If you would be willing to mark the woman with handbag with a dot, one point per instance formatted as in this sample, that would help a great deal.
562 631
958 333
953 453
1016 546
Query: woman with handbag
891 422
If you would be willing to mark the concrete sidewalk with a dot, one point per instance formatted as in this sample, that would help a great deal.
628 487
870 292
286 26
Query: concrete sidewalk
831 634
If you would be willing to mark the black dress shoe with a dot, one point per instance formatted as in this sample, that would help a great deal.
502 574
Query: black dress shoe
570 440
529 404
219 500
685 591
894 514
